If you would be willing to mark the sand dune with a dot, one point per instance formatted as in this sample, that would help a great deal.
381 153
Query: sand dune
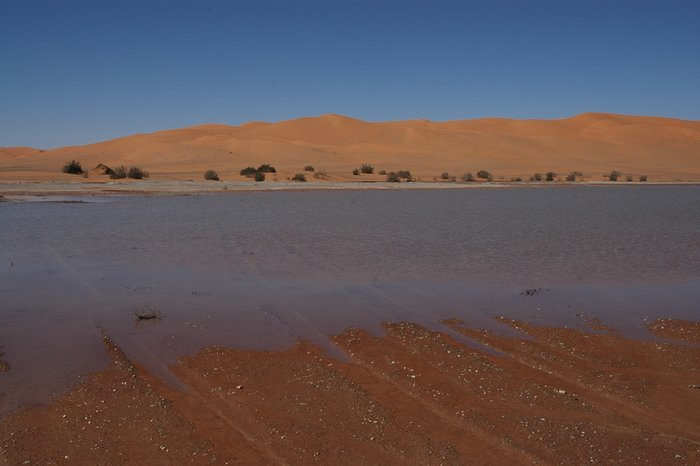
594 143
16 152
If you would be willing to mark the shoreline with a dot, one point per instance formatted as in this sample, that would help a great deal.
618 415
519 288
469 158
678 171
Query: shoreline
543 395
9 189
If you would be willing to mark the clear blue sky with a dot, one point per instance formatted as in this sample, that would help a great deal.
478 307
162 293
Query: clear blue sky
74 72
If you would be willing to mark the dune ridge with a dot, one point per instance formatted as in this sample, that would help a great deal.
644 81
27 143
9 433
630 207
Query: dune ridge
665 149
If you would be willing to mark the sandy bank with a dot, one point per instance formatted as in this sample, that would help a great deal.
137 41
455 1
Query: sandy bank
11 189
410 396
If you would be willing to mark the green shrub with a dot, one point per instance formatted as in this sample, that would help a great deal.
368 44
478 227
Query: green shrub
571 176
259 176
266 168
536 177
355 171
118 173
366 168
405 175
614 175
393 177
136 173
211 175
309 168
549 176
468 177
299 177
249 172
73 168
445 176
483 174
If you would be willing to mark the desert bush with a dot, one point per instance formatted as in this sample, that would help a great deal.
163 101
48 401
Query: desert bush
405 174
118 173
445 176
366 168
629 178
516 179
393 177
266 168
299 177
571 176
309 168
382 172
642 178
211 175
549 176
614 175
320 174
536 177
483 174
468 177
249 172
355 171
103 169
259 176
137 173
73 168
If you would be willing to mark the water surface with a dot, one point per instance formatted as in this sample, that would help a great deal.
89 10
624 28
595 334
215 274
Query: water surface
262 269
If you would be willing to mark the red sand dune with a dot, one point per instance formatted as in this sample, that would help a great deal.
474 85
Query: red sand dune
594 143
7 153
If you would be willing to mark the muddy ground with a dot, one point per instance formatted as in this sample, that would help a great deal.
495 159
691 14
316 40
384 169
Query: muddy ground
410 396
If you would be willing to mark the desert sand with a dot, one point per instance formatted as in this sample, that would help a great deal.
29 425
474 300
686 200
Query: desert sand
537 395
664 149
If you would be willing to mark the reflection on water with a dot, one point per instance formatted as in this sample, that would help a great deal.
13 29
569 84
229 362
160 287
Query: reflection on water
263 269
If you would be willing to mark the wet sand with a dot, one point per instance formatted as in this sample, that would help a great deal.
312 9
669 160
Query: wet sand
539 395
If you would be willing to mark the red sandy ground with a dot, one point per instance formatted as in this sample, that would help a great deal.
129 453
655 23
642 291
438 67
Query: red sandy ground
411 396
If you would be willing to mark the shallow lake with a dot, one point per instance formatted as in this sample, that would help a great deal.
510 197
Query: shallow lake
262 269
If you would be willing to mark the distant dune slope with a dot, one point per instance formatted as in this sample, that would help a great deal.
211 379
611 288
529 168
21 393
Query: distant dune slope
594 143
16 152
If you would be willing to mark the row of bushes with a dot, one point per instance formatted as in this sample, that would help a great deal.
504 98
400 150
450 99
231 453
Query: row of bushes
258 174
549 176
122 172
75 168
575 175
